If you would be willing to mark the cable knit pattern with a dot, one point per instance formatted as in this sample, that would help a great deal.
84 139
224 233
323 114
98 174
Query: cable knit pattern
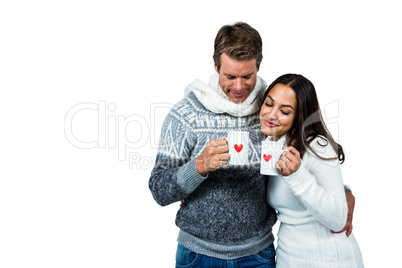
226 214
310 203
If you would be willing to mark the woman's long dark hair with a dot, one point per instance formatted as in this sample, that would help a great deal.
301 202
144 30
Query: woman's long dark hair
308 122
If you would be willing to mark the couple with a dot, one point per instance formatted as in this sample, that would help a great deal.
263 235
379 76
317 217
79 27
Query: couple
228 212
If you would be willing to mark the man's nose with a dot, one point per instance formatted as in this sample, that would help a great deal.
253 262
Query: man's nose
238 84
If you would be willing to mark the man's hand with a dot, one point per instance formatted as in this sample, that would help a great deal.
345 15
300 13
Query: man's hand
350 199
214 156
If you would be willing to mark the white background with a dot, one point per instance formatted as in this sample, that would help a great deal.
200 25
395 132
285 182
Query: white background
65 206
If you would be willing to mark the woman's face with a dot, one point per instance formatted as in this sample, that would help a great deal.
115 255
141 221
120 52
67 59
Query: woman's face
278 111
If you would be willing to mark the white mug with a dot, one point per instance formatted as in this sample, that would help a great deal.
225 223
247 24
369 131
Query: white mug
271 151
239 146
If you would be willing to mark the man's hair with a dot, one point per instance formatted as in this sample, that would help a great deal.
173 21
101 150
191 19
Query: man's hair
240 42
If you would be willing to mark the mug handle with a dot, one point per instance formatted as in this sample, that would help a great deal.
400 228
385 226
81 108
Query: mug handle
227 144
283 152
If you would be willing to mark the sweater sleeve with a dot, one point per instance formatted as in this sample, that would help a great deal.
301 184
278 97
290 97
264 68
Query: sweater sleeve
320 187
175 174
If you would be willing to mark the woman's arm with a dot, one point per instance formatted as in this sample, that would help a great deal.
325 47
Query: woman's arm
318 184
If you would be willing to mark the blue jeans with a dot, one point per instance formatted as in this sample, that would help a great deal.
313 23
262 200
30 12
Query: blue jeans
189 259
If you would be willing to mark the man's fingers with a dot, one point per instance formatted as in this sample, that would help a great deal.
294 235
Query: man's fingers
218 150
219 160
225 157
348 228
349 232
218 146
219 142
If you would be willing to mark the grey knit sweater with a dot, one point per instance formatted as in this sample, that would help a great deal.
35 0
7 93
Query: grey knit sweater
225 214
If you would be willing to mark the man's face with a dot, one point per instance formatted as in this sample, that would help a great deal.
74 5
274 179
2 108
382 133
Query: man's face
237 78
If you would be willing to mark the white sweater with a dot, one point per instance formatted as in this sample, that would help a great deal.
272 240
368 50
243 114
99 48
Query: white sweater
310 203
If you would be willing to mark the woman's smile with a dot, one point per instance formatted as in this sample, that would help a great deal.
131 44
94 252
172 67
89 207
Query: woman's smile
269 124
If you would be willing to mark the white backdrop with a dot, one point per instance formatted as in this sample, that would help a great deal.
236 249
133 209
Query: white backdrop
85 86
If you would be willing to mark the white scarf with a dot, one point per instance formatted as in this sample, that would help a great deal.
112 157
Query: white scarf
280 140
215 100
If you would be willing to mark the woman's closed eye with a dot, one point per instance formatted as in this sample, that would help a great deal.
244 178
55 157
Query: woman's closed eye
269 104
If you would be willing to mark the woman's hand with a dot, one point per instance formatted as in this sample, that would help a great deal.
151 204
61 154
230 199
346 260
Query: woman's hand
289 162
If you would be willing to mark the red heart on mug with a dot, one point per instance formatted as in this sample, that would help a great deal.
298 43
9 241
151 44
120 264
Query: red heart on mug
238 148
267 157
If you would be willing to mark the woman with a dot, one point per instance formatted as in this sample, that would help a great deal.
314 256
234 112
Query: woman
309 195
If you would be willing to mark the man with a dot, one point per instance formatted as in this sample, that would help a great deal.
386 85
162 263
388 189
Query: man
225 218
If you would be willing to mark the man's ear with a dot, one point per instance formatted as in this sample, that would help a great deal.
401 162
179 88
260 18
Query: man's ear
215 65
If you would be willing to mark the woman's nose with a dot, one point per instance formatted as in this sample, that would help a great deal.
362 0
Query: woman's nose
273 115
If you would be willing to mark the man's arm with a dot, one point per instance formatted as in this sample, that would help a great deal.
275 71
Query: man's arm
175 174
172 181
350 199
